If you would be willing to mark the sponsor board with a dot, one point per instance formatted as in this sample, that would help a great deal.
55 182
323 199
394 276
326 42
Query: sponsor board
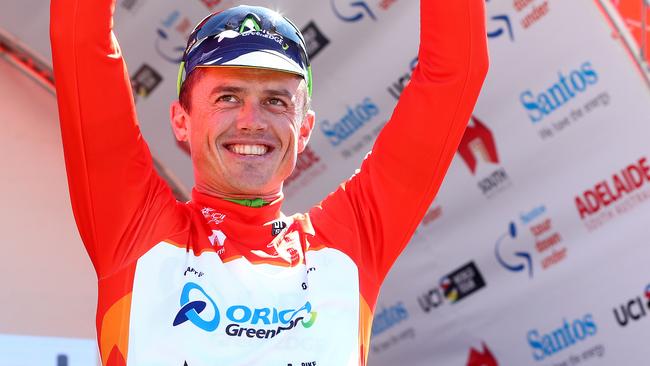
545 343
634 309
344 132
453 287
397 86
484 357
385 319
171 36
144 81
352 11
531 241
131 5
478 146
616 195
566 100
523 15
309 167
315 39
216 5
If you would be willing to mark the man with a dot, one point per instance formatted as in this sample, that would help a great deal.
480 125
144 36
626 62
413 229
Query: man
226 278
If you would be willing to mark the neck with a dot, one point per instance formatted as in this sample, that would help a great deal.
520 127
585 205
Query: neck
256 203
250 200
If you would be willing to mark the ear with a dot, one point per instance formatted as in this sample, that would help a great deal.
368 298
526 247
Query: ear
180 121
305 130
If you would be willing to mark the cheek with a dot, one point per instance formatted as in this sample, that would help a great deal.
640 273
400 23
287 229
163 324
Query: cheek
292 132
203 131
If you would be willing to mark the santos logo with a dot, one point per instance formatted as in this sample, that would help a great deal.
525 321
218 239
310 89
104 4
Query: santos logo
238 315
565 336
353 120
544 103
388 317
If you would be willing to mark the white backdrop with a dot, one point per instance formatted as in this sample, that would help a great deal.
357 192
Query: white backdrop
538 235
47 285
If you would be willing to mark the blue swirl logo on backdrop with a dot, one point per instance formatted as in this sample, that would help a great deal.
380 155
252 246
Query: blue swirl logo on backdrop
170 40
526 260
503 26
167 49
362 10
190 310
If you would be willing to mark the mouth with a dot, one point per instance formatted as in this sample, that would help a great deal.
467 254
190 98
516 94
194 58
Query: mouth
249 149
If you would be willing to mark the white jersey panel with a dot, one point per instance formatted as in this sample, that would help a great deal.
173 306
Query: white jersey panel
196 310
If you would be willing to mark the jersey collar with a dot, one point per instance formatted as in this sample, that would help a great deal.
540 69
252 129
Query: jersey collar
252 215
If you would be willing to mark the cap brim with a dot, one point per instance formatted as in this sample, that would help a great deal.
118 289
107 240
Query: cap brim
262 59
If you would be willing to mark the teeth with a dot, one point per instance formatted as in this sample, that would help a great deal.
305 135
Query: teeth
248 149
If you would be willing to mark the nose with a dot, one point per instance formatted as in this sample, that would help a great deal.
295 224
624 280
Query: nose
250 118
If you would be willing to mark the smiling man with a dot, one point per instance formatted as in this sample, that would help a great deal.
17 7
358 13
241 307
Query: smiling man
245 127
227 278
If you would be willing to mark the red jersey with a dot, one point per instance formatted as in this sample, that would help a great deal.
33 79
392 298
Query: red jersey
210 282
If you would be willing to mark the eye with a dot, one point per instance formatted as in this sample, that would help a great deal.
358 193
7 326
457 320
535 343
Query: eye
227 98
276 102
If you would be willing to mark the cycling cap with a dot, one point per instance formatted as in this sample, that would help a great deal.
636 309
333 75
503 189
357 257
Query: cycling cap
246 36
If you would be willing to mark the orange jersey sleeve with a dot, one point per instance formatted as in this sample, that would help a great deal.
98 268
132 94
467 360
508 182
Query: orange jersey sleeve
120 204
376 212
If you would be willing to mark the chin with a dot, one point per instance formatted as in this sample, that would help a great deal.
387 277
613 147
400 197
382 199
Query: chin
253 187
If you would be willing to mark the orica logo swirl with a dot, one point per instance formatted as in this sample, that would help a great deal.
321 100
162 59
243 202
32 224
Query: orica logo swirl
190 310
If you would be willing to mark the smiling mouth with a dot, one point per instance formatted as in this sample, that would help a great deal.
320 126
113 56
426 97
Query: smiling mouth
248 150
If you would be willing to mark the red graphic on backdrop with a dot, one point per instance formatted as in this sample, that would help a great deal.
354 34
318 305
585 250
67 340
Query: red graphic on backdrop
304 161
620 186
631 11
477 140
485 358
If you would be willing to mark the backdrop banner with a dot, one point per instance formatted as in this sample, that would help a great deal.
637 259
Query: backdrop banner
535 250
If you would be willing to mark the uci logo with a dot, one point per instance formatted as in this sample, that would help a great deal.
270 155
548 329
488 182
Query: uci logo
361 7
633 309
190 310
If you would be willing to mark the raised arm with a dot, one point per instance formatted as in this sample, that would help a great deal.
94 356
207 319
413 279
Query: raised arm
400 177
117 198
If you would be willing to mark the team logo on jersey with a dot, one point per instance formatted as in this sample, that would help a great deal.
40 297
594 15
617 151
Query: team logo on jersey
212 216
244 321
190 310
217 238
277 227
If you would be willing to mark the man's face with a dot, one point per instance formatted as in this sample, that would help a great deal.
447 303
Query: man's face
245 128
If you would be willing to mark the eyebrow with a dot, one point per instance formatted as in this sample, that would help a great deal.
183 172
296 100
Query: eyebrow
236 90
279 92
226 89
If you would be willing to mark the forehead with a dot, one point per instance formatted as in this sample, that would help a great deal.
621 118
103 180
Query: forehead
249 79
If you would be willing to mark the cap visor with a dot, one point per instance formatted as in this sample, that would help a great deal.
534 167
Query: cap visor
263 59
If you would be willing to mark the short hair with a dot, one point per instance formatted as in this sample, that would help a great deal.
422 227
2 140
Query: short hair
185 93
